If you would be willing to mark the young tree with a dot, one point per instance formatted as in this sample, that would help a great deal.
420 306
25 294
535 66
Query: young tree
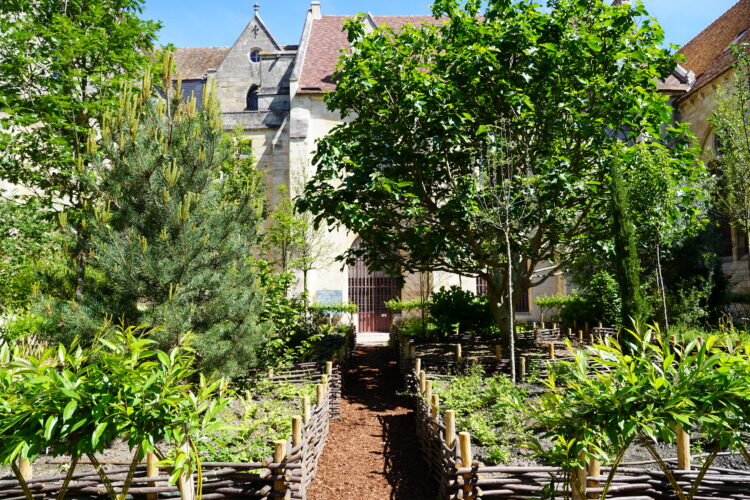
62 64
401 172
627 264
174 228
731 122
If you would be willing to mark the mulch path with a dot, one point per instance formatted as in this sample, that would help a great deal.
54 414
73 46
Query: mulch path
372 451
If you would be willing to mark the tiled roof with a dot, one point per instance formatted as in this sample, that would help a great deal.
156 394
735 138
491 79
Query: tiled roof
193 62
708 54
325 44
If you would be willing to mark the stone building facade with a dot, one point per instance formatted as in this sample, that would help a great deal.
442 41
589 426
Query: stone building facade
708 67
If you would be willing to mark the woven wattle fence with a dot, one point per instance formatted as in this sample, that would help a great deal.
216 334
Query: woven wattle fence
443 452
285 475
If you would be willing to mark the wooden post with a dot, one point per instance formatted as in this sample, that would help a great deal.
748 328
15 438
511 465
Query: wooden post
522 367
586 327
324 380
428 391
450 428
418 365
25 467
270 373
551 349
279 455
498 352
185 482
329 368
321 393
554 326
296 430
595 469
306 408
600 325
575 323
580 336
579 473
536 334
464 444
570 333
435 408
683 449
459 356
541 325
591 338
422 377
533 325
152 471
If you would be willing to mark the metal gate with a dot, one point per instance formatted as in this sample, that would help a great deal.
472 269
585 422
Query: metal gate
370 290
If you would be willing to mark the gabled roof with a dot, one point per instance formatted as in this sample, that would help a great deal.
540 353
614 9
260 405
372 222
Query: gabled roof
326 41
708 55
193 62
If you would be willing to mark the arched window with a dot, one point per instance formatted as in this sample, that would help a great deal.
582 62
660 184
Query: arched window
255 56
252 99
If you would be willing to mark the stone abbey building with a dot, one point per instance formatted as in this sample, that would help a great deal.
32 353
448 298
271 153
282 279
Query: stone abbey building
274 94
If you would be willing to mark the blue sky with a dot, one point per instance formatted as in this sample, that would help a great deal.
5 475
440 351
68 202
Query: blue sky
197 23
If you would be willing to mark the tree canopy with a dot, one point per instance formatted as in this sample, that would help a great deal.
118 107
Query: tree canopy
567 84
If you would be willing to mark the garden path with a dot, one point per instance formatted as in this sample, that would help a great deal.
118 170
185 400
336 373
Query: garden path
372 451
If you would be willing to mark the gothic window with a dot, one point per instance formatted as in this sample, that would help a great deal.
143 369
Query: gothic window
252 99
255 56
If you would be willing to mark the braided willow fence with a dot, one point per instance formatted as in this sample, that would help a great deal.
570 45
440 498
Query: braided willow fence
286 474
449 456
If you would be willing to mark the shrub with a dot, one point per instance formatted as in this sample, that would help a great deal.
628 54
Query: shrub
458 310
600 301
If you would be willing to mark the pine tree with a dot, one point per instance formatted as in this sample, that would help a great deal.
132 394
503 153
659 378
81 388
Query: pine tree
176 221
627 264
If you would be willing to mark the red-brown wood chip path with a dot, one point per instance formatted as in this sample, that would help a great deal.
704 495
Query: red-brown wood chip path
372 452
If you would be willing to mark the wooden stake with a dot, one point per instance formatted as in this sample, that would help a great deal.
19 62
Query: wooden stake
600 325
536 334
591 338
329 368
498 352
306 408
551 349
270 373
152 471
428 391
185 482
450 428
580 336
435 407
279 455
321 394
533 325
522 367
554 326
595 469
579 493
459 356
683 449
570 333
418 365
25 467
541 325
422 378
464 444
324 380
296 430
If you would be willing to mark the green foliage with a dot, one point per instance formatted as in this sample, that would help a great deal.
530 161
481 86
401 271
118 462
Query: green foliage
398 305
599 301
260 417
627 264
171 235
489 408
643 392
553 304
26 237
457 310
416 327
414 200
74 401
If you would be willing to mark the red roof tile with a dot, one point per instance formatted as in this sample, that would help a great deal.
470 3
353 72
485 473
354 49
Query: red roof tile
326 42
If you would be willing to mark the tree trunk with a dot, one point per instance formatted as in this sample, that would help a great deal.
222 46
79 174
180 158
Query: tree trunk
510 309
660 277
